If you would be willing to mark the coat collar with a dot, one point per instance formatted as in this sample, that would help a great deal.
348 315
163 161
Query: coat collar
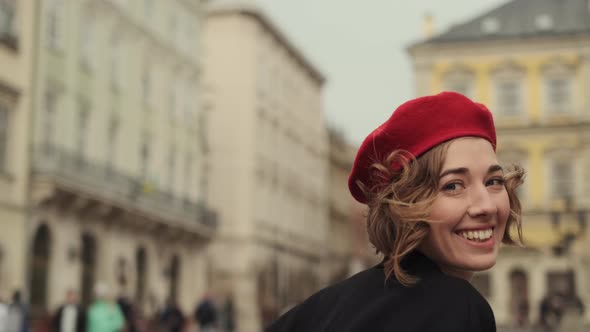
416 264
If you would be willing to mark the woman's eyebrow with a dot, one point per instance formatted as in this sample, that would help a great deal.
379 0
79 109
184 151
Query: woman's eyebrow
465 170
495 168
458 170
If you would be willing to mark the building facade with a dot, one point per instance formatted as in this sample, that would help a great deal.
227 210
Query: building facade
342 239
269 164
113 156
17 49
349 249
529 61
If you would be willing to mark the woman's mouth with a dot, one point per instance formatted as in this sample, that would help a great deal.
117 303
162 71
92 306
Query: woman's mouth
480 235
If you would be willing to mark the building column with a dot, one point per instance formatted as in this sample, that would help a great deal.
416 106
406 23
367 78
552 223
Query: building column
246 295
536 291
500 293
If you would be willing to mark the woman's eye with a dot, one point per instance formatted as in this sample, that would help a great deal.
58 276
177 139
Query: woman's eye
453 186
495 182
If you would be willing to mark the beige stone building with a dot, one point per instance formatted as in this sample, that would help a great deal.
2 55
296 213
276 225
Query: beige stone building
269 164
349 249
104 180
529 61
17 51
341 230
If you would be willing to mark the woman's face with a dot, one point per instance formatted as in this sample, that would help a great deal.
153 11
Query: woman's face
469 214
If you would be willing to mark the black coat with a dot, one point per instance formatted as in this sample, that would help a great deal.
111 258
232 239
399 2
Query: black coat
80 319
367 303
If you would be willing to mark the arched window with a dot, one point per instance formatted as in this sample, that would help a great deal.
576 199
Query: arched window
519 297
40 270
460 79
174 275
558 88
89 260
508 94
141 273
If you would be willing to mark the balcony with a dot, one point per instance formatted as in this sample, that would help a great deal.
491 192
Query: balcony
66 172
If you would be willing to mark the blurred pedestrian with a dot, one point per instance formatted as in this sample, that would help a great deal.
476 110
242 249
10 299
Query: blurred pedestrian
206 314
17 316
439 206
128 310
71 316
3 313
228 315
172 318
104 315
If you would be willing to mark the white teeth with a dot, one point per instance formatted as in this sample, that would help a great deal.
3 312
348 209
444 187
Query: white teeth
481 235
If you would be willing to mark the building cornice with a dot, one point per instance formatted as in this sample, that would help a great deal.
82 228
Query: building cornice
475 45
258 15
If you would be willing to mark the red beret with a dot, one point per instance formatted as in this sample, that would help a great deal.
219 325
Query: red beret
417 126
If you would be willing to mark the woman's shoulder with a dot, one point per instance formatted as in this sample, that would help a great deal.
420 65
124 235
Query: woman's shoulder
456 299
366 301
452 289
321 307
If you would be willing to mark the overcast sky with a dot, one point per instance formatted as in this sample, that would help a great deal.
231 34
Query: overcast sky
360 46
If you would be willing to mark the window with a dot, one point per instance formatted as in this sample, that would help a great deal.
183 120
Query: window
83 114
54 14
508 97
116 66
86 42
144 157
146 86
112 137
8 29
563 179
48 119
4 127
460 79
558 95
188 172
171 168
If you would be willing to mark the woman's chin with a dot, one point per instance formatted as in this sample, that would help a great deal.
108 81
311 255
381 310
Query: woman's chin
478 264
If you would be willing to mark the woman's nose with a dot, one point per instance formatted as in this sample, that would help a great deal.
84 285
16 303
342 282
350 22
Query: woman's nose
482 203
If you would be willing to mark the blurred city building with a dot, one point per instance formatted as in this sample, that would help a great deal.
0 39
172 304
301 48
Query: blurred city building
269 165
349 249
529 60
104 150
17 34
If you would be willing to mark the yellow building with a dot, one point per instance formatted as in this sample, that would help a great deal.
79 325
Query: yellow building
529 61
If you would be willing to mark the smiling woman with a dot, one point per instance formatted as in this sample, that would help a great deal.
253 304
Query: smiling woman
439 205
